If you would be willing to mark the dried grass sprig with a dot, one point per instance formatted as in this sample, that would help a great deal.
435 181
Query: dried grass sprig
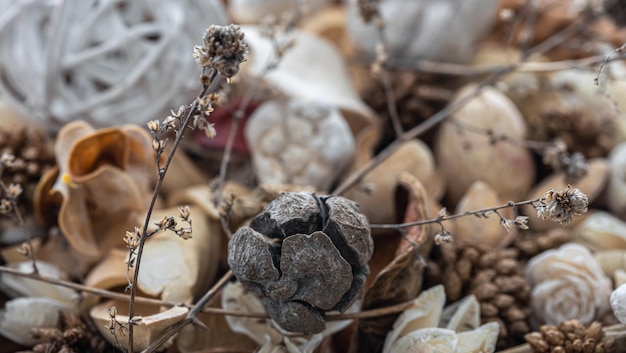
220 56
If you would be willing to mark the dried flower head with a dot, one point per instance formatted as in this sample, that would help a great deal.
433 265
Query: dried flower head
223 51
368 10
562 206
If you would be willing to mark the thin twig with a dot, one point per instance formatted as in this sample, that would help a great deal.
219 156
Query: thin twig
454 216
384 77
215 82
191 315
87 289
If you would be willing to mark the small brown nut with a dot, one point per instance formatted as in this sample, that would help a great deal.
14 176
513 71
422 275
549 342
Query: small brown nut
305 255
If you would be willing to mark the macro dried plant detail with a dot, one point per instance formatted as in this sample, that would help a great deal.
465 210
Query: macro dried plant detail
223 51
304 255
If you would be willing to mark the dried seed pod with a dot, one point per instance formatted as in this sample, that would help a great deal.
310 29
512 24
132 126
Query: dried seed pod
305 255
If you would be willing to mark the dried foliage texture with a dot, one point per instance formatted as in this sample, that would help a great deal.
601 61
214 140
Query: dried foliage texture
569 337
495 277
304 255
72 335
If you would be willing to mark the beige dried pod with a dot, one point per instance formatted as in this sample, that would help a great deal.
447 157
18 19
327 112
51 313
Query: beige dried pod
601 231
591 185
484 231
615 195
150 328
611 260
465 156
375 193
21 315
568 283
173 268
311 70
299 142
619 277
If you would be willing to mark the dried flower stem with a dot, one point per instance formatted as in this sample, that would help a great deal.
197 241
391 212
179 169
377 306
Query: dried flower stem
279 51
443 114
431 122
442 218
191 315
215 82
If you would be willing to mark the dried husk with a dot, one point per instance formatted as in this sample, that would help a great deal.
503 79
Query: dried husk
101 183
601 231
401 279
17 286
375 193
466 157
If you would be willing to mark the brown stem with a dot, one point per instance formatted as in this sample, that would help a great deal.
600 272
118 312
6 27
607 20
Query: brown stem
191 315
215 83
386 81
458 215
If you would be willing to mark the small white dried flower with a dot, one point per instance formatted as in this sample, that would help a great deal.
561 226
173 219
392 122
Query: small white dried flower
113 312
506 224
184 212
5 206
521 222
441 238
136 320
153 125
14 190
562 206
184 233
168 222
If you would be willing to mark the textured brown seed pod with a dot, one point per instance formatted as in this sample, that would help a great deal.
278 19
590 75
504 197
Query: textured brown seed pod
304 255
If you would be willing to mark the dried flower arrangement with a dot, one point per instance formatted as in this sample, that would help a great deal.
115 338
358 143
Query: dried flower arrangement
332 232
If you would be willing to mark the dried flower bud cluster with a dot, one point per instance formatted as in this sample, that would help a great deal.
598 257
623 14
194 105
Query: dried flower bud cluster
223 51
561 206
71 336
304 255
570 336
574 166
30 151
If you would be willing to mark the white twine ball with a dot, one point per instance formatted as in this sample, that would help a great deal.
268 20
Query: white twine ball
109 62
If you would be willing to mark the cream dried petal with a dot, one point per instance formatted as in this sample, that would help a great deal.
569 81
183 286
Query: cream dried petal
427 340
463 315
480 340
424 313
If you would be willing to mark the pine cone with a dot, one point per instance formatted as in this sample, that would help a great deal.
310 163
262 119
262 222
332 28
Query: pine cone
570 337
531 244
320 244
496 278
71 335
